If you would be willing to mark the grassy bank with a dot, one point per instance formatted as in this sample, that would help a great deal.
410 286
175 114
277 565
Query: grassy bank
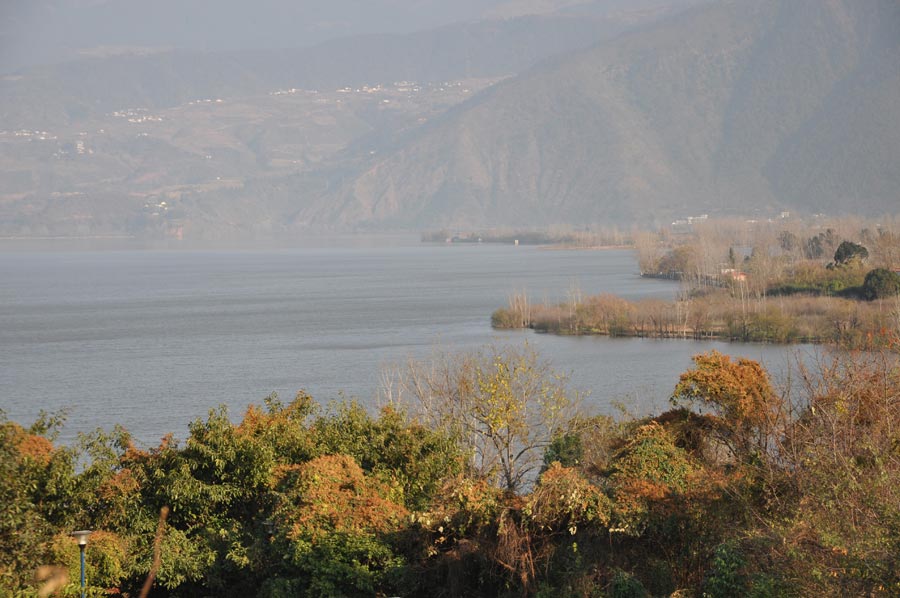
715 314
778 281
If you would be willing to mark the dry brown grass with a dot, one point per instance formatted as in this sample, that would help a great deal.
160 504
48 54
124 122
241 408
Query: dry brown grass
719 314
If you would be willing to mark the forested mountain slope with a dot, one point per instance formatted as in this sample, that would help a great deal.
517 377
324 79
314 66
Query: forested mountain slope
734 107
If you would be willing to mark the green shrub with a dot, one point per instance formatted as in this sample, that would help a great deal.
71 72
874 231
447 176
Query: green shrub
567 449
881 283
409 455
848 250
648 469
726 577
659 578
625 585
347 564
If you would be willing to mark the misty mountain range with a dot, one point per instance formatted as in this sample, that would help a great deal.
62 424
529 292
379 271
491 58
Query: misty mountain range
34 32
539 112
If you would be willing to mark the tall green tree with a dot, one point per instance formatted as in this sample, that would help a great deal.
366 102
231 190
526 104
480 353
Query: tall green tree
848 251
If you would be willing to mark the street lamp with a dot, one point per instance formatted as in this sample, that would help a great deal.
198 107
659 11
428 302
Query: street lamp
82 538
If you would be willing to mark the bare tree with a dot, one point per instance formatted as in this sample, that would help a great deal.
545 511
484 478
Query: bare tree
648 247
520 309
505 405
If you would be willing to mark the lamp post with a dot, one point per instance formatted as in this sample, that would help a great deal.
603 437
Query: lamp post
82 538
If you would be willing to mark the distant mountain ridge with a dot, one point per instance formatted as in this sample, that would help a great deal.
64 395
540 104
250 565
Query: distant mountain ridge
93 86
730 108
590 115
160 142
34 32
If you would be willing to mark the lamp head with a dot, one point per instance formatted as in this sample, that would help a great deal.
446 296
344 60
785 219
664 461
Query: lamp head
81 536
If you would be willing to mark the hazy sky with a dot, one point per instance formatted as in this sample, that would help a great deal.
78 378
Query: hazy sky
37 31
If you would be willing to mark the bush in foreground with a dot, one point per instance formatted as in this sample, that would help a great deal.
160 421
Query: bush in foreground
762 494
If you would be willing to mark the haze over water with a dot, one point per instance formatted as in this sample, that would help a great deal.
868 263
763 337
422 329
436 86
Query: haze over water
152 340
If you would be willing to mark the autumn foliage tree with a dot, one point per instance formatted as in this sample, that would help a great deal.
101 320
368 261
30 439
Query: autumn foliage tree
740 396
334 521
24 462
749 493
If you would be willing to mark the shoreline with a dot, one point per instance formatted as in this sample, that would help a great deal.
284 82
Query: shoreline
682 335
569 247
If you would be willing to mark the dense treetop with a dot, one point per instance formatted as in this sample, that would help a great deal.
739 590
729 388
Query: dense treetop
761 491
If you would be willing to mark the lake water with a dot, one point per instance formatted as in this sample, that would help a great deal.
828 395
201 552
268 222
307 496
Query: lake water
152 340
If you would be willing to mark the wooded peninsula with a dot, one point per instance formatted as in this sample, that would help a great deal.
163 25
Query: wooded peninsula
775 281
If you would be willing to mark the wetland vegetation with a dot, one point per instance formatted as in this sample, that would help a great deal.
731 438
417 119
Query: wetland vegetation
835 282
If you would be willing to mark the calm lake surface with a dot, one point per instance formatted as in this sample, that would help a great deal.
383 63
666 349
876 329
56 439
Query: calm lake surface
152 340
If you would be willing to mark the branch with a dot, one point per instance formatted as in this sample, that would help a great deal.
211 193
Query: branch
157 548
